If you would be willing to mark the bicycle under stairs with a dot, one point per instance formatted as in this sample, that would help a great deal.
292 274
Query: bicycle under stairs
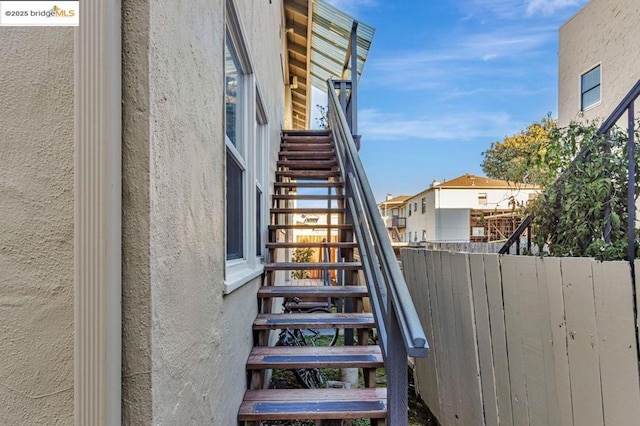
308 173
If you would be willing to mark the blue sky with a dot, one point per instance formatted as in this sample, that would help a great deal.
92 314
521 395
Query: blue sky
445 79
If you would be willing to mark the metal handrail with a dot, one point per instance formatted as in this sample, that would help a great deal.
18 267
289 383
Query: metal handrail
626 105
365 214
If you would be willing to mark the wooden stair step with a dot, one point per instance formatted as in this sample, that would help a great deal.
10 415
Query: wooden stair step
308 164
311 266
312 291
307 226
306 210
313 404
290 357
314 244
308 155
324 137
315 132
314 320
308 174
304 306
307 197
306 146
295 184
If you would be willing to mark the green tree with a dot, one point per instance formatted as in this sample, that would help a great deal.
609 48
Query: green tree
523 157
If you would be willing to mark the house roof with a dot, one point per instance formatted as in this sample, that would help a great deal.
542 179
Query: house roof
396 200
330 41
473 181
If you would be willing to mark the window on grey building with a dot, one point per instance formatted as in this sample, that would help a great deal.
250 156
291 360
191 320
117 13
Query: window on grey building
424 205
590 88
415 207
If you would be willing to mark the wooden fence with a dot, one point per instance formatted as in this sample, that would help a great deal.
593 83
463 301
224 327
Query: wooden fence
520 340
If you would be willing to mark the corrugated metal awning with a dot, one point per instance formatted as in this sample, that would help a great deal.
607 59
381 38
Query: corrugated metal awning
330 34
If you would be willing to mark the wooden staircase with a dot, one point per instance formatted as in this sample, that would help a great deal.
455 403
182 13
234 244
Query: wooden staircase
308 173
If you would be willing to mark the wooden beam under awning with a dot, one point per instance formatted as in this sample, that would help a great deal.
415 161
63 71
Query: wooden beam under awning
298 22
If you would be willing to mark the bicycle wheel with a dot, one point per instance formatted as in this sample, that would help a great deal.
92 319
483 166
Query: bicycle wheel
315 333
310 378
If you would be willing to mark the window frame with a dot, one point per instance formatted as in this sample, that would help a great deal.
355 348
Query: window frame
241 271
598 86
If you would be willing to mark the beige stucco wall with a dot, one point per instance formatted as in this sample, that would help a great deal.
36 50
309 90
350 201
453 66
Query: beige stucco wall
185 344
36 226
603 32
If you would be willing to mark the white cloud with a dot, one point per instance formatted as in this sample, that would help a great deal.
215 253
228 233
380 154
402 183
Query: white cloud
458 126
547 7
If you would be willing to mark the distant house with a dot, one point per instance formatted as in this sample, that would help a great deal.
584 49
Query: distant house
468 208
392 212
598 59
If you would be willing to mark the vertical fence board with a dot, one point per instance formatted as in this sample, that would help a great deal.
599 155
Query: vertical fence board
485 352
514 340
531 327
584 365
429 384
617 343
553 275
553 408
470 394
450 351
436 338
498 337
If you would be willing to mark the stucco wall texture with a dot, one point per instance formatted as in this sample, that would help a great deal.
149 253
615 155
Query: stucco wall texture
36 226
603 32
185 345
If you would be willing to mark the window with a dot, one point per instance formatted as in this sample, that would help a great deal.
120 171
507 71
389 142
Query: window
424 235
424 205
394 213
415 207
246 133
409 209
590 88
236 164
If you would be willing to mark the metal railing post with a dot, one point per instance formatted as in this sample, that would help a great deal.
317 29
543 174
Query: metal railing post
354 79
396 369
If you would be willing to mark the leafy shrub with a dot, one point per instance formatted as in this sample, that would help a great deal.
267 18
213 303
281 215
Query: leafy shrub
572 214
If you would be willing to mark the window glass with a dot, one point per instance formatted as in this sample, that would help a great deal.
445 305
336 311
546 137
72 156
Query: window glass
234 209
258 222
233 87
590 88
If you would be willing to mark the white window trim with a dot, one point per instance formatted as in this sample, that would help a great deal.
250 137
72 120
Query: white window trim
239 272
594 105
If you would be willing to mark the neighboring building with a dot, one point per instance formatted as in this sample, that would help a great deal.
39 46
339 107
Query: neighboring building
598 59
138 155
466 209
